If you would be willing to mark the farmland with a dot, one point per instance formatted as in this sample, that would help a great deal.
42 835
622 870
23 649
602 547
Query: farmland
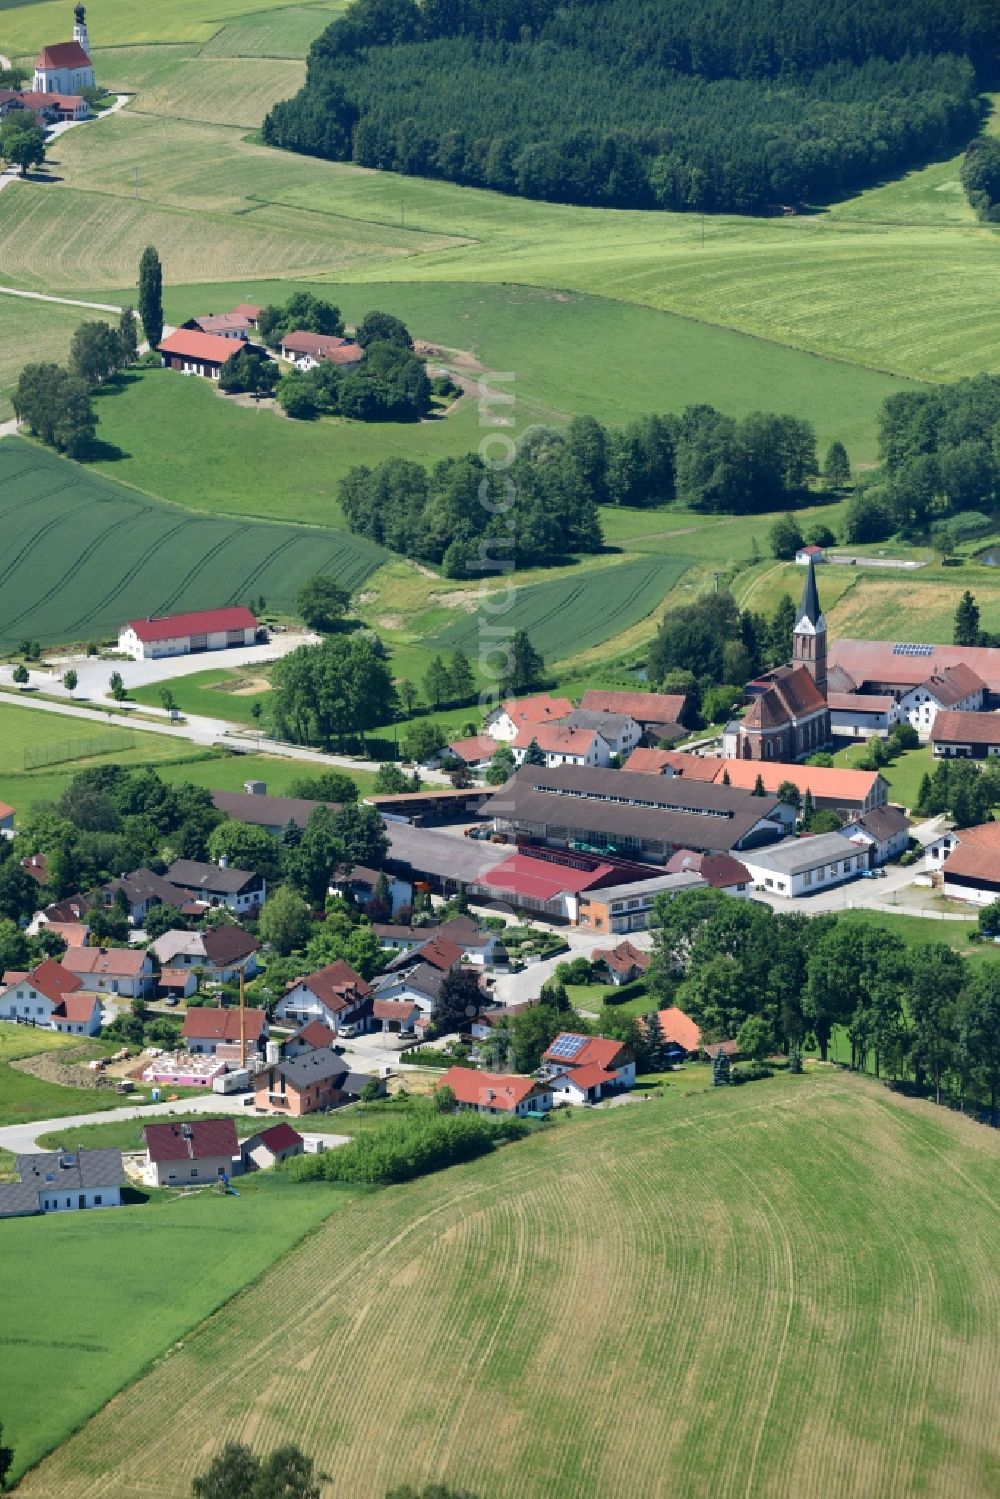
777 1262
44 327
25 28
138 556
179 82
73 1337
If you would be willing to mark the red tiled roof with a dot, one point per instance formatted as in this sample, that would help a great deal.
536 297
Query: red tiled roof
37 866
656 762
73 933
63 55
316 1034
202 1024
540 878
479 747
812 550
977 856
51 979
555 739
644 707
393 1009
951 684
875 661
592 1075
43 99
536 710
198 622
280 1137
191 344
859 702
829 782
952 726
6 811
197 1141
77 1008
248 310
336 986
597 1050
439 952
623 958
321 345
212 321
679 1028
347 354
497 1090
125 961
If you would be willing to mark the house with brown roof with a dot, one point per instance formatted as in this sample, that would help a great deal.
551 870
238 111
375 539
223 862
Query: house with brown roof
395 1016
221 1033
972 870
622 963
505 722
335 994
241 890
221 953
885 832
653 711
721 871
893 669
51 997
619 731
474 753
562 745
959 735
957 688
123 971
194 1154
236 324
661 762
312 1036
497 1092
306 350
195 353
584 1069
859 715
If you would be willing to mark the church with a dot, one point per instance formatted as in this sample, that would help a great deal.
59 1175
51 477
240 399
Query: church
65 67
789 716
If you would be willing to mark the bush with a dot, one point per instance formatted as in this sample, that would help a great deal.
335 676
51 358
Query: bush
749 1072
624 992
412 1146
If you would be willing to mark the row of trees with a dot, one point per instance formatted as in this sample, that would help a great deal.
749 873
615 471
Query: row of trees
712 643
236 1472
770 979
636 104
55 402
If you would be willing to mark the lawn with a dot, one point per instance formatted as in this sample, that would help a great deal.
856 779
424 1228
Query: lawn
43 328
101 1296
24 1097
75 742
776 1262
903 775
127 1134
83 553
220 692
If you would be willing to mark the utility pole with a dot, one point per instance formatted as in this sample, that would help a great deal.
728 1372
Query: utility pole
135 178
243 1018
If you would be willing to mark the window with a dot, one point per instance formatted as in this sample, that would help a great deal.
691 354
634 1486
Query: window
98 1200
194 1170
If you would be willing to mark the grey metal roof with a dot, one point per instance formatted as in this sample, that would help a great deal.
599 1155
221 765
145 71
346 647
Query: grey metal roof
264 811
656 885
312 1067
614 724
193 874
798 854
444 855
423 977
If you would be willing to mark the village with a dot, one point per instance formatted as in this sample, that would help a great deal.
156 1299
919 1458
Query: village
480 899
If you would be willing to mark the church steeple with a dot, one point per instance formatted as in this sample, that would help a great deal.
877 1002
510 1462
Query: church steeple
809 638
80 28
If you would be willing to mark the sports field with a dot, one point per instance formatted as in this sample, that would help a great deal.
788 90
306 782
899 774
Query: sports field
33 734
102 1294
83 553
787 1288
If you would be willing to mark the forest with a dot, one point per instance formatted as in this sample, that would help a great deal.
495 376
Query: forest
712 105
708 461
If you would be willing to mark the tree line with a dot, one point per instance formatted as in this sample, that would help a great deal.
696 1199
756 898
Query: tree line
54 401
709 106
918 1014
711 647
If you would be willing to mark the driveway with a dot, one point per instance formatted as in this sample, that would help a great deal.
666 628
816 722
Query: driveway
93 674
22 1137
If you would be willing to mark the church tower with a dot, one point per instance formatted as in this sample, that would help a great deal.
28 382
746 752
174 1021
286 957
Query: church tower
80 28
809 638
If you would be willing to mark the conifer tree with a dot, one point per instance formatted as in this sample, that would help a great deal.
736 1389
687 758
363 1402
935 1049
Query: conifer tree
967 620
533 755
808 808
655 1042
837 466
758 786
151 295
720 1070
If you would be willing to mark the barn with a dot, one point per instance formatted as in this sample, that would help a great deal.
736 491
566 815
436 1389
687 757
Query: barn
185 634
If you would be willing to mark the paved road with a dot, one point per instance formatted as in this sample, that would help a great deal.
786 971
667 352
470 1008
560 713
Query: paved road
13 174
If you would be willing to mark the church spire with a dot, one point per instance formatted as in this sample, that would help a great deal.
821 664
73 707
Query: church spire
809 611
809 636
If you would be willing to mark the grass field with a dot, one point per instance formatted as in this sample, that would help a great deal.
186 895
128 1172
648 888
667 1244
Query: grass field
26 27
65 739
180 82
920 607
903 775
36 330
138 556
104 1294
24 1097
220 692
806 1265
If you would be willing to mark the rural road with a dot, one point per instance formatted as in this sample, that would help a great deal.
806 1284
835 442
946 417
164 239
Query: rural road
13 174
22 1137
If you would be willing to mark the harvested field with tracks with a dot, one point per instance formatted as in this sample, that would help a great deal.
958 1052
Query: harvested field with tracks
784 1289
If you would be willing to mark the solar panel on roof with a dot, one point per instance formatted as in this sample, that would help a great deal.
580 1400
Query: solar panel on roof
909 649
567 1046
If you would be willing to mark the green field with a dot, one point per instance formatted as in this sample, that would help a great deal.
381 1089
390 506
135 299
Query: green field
24 1097
219 692
60 738
921 606
572 614
26 27
32 330
104 1294
84 553
181 83
805 1265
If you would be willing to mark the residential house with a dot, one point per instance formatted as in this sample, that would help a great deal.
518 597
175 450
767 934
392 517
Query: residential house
188 634
250 312
223 1032
395 1016
306 350
235 325
393 937
437 949
361 884
562 745
266 1149
220 952
515 715
801 866
6 818
885 832
63 1181
303 1084
660 715
241 890
721 871
681 1035
194 1154
585 1069
661 762
312 1036
335 994
859 715
196 353
52 998
55 108
957 688
972 870
623 963
418 985
474 753
619 731
479 945
810 553
969 736
254 807
628 907
142 889
123 971
497 1092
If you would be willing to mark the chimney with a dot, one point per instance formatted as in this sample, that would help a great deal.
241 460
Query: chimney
223 861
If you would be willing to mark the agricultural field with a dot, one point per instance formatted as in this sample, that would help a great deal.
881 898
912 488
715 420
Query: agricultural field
179 83
73 1336
139 556
25 28
918 607
36 330
845 1335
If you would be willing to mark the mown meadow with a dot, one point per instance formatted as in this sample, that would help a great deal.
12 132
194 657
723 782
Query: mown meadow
805 1264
